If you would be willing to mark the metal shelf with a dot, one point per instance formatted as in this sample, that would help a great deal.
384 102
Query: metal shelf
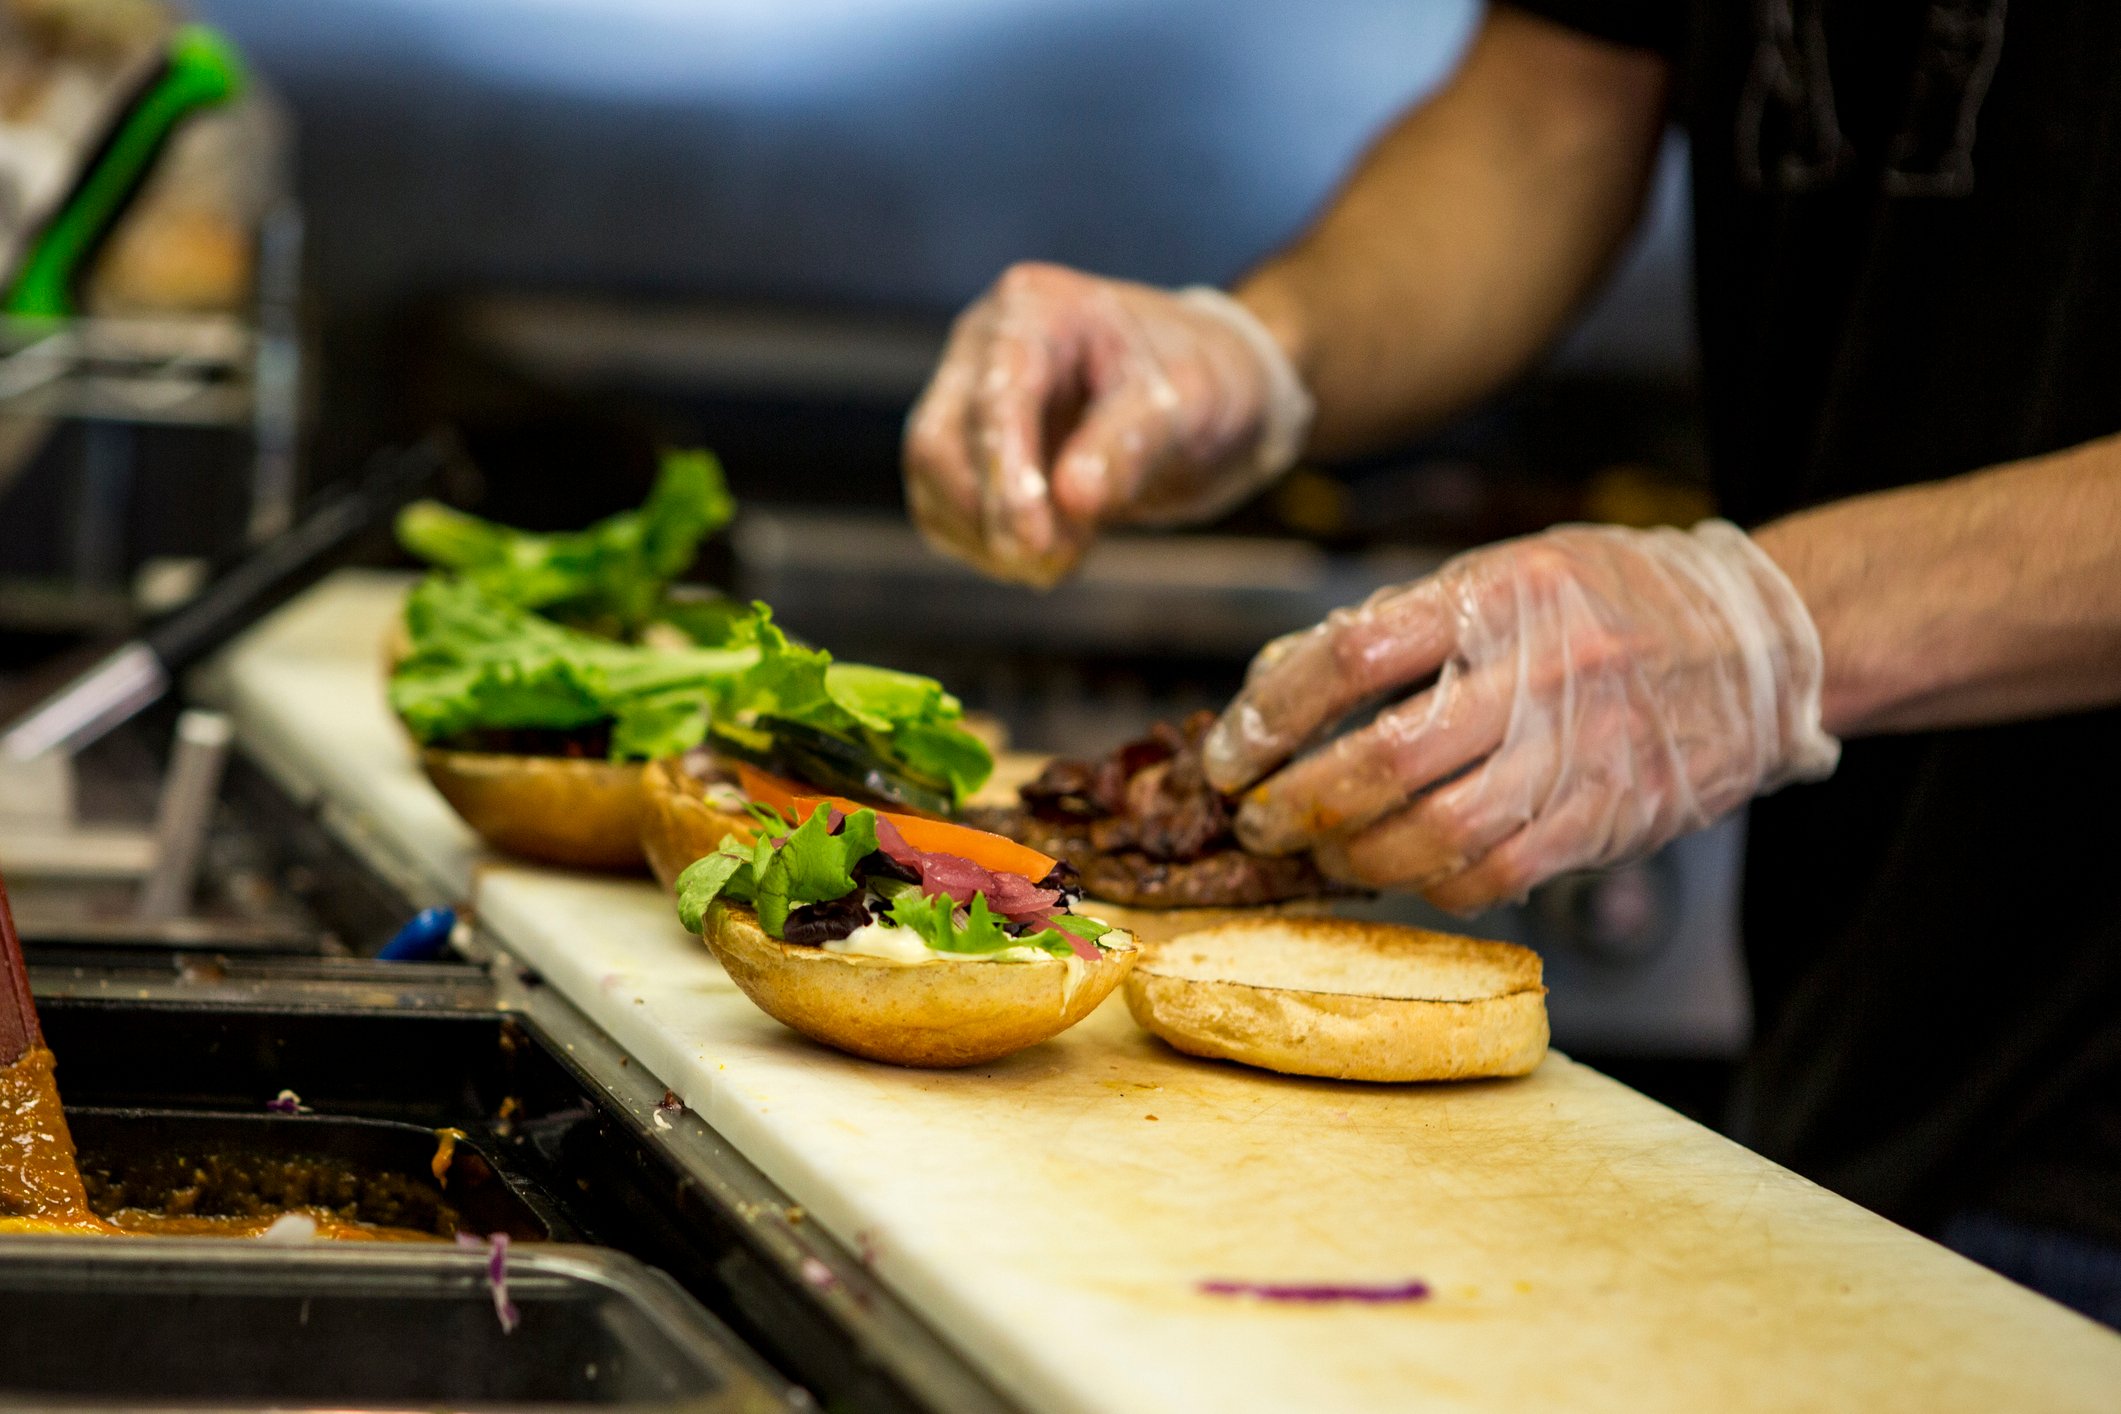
122 379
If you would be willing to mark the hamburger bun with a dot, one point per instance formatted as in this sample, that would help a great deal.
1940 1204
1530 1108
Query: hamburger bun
932 1014
678 825
555 809
1344 999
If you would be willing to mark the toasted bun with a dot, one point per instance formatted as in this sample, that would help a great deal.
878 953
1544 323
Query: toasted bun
678 826
1348 1000
924 1014
558 810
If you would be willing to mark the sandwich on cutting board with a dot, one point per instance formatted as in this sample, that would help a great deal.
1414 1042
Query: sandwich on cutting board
899 938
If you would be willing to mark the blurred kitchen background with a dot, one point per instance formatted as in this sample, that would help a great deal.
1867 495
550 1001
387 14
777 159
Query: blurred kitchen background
578 230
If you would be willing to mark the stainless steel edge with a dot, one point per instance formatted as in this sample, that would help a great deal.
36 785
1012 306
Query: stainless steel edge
752 1387
886 1329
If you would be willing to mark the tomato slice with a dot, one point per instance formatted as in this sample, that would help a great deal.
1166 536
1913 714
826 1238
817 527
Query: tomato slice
786 796
997 853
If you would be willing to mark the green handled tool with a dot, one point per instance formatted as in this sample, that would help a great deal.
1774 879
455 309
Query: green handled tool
200 69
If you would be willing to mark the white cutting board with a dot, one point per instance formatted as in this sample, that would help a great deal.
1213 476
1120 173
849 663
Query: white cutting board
1588 1249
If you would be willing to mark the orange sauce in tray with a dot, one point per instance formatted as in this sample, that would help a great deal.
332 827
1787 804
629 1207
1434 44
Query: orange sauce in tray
40 1184
326 1224
41 1189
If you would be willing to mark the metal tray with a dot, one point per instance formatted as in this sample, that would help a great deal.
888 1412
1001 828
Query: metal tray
93 1324
573 1129
377 1171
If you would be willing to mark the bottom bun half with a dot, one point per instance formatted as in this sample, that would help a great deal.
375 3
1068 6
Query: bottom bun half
932 1014
557 810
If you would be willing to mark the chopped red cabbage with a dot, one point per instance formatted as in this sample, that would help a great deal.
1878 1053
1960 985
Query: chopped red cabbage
1320 1292
496 1276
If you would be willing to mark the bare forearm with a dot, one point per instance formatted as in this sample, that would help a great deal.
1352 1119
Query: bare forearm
1470 233
1989 597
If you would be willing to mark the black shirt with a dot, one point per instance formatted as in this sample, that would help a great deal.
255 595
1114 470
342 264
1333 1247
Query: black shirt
1908 265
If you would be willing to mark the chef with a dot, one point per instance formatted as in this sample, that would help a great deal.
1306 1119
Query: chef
1903 646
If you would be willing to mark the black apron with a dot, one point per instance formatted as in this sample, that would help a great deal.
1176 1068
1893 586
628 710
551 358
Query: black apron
1908 265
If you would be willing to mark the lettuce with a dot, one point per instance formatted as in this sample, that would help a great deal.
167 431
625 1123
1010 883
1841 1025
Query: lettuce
935 918
1088 929
612 577
480 662
811 866
906 722
528 630
807 865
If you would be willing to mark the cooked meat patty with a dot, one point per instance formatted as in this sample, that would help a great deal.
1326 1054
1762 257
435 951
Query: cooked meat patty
1144 827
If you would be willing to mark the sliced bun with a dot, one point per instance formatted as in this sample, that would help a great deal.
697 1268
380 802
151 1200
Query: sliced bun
678 826
922 1014
1347 1000
554 809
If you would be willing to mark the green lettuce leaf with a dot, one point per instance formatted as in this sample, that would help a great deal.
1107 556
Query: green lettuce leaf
612 577
1088 929
788 680
712 620
726 873
934 919
777 875
482 662
811 866
941 749
882 698
658 725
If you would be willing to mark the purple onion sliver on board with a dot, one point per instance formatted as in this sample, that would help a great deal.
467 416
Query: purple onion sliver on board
1320 1292
496 1275
497 1278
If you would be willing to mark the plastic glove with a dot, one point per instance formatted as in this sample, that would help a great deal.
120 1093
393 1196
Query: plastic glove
1596 692
1066 402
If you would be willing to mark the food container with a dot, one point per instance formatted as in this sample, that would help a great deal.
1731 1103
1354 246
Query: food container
245 1165
580 1141
248 1326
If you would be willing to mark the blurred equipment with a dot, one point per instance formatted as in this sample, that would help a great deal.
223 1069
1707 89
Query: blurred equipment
137 672
149 379
192 69
149 258
42 834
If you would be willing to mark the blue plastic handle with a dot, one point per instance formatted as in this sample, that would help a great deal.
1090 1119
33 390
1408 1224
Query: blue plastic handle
423 939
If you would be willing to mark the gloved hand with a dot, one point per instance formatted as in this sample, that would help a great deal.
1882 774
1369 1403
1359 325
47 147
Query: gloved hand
1066 402
1597 691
